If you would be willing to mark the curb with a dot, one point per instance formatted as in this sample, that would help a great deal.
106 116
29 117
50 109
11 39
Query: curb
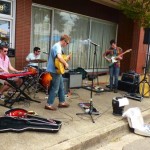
99 136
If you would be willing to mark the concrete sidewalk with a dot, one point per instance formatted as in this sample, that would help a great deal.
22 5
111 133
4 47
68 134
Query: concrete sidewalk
78 132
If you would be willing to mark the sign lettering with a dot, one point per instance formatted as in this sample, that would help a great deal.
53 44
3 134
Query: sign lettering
5 8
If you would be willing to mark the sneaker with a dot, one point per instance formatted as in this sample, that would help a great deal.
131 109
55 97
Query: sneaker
115 91
2 97
10 93
110 90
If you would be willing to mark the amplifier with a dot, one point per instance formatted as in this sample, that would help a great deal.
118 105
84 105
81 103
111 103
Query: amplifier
128 87
75 79
130 77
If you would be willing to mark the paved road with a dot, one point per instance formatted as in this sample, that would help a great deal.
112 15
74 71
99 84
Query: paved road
128 142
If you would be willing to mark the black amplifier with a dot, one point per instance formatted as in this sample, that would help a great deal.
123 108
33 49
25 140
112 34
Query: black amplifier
130 78
128 87
129 82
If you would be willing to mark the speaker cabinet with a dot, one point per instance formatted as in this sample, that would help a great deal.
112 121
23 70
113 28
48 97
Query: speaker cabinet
75 79
129 82
118 111
147 36
128 87
130 78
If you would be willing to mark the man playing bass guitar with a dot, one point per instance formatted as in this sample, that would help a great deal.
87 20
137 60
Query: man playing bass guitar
112 55
57 85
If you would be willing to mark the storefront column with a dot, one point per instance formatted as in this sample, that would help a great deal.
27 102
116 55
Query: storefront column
138 54
23 31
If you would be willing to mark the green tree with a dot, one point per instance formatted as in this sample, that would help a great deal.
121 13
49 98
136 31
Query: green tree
137 10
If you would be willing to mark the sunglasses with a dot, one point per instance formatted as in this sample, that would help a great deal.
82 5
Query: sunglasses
67 42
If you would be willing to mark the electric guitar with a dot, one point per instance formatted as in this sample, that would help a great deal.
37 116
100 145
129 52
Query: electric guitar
60 68
114 58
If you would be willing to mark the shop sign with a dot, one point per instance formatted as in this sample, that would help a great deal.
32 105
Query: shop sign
5 8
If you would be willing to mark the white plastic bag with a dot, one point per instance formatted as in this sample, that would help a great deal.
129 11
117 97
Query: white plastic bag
136 121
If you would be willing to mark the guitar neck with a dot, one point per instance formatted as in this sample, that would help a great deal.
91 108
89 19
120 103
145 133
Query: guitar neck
127 51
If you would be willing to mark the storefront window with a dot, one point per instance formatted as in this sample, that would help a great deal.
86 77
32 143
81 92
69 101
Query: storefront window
41 27
80 28
5 33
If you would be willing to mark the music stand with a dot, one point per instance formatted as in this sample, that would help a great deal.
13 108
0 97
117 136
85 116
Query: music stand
90 111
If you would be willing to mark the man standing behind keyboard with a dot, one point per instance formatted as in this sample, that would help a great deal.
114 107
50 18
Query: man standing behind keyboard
5 66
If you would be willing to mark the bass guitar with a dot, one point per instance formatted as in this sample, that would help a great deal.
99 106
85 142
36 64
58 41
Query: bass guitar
60 68
114 58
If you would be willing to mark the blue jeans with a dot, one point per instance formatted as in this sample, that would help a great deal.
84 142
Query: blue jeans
56 88
114 74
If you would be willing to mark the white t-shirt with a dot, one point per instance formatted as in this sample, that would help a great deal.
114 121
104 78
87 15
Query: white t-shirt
32 56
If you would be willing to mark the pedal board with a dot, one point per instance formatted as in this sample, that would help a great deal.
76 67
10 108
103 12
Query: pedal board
86 108
95 89
134 96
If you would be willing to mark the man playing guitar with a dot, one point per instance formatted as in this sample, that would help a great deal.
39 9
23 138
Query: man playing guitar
114 68
57 85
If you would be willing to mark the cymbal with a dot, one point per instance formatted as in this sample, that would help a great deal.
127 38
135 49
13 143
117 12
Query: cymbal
38 60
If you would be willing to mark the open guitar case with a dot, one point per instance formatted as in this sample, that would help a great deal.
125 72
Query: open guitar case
19 120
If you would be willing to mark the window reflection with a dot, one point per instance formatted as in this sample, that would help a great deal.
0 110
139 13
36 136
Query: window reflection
5 33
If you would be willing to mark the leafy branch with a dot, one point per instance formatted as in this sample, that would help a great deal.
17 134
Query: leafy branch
137 10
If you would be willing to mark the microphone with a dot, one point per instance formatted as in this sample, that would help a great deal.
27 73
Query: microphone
93 43
45 53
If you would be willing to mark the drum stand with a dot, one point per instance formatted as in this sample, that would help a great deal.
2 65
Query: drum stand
35 85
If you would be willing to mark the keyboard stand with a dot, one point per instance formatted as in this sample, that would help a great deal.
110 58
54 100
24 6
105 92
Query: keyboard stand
11 100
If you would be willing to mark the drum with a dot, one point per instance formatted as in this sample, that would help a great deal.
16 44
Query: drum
45 79
32 69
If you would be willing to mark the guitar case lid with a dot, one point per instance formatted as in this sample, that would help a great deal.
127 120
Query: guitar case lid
18 119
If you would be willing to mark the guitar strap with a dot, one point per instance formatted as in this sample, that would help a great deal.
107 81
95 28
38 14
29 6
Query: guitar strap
115 52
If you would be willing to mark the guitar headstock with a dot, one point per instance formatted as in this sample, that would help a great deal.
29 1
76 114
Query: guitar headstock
129 50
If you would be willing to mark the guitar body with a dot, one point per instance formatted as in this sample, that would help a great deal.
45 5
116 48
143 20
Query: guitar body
114 60
60 69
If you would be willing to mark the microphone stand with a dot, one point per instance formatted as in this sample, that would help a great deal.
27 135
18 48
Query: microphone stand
90 112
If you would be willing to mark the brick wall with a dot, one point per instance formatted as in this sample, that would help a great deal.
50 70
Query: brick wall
23 29
138 55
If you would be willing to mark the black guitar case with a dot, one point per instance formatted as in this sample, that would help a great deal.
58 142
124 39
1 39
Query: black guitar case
19 120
